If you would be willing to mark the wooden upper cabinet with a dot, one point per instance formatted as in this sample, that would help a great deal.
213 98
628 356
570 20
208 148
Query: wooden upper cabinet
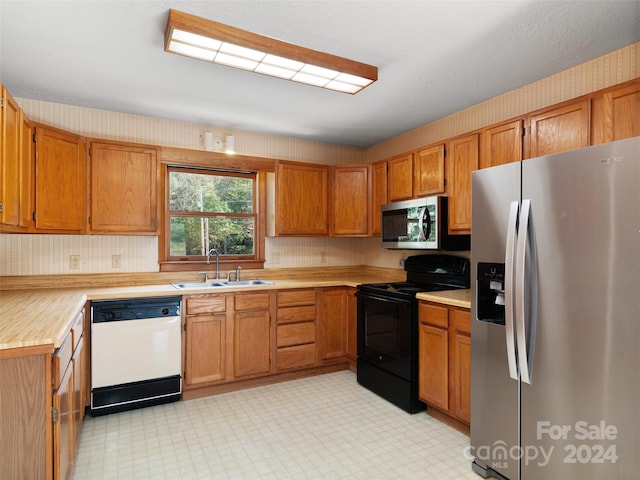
60 181
616 114
400 177
501 144
123 193
302 194
461 161
560 129
27 175
428 175
10 159
350 200
378 194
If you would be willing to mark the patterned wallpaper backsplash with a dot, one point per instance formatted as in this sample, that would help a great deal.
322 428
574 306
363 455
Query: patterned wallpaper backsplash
50 254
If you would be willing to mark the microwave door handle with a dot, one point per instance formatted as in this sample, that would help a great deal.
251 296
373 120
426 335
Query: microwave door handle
421 215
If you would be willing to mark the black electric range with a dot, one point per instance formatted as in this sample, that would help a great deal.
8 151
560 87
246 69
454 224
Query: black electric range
388 326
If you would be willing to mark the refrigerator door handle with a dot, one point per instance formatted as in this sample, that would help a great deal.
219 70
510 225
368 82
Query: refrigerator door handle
525 360
509 263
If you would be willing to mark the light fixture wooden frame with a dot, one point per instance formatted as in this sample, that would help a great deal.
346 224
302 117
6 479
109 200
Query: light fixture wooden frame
184 22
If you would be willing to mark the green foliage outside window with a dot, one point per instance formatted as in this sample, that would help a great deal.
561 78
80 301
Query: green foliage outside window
211 210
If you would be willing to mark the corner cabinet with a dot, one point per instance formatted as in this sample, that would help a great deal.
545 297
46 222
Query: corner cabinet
333 314
350 201
302 199
10 159
123 189
615 114
60 181
445 359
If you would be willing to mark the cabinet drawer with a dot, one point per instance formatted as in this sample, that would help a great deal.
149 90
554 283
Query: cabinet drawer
296 334
61 360
252 301
433 315
196 305
296 314
298 356
293 298
461 321
77 329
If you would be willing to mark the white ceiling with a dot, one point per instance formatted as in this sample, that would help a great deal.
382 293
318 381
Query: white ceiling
434 58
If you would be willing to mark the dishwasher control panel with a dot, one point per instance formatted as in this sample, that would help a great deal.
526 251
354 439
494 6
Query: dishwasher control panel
135 309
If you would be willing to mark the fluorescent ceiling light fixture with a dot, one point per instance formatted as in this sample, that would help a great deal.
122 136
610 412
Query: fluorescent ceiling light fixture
218 43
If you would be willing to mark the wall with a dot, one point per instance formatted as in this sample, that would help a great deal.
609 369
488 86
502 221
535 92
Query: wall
40 254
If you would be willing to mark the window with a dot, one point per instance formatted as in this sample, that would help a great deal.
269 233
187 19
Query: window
209 209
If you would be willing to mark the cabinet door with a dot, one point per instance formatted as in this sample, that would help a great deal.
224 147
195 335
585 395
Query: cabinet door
400 177
560 129
123 193
428 176
462 160
378 194
433 381
27 175
63 445
302 199
205 352
252 348
350 200
10 136
501 144
616 114
79 366
60 181
333 322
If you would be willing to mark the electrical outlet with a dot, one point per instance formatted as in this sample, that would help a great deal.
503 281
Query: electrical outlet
401 263
74 262
275 258
116 261
323 257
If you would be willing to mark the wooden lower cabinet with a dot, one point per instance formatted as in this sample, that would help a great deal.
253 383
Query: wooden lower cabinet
296 330
227 338
352 326
445 359
333 323
251 328
63 444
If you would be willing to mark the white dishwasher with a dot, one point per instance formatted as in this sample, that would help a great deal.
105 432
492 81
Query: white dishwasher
135 353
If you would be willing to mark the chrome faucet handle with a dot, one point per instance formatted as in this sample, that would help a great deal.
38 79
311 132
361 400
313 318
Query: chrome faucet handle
229 273
206 275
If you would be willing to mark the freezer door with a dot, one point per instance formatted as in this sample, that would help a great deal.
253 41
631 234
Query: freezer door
494 394
580 414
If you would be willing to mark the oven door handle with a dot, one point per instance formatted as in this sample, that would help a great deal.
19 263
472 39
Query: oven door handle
380 298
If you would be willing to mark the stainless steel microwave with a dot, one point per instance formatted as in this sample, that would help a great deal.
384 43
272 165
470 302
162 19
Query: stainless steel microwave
420 224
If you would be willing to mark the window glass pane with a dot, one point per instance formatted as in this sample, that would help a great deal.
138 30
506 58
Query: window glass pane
202 192
196 236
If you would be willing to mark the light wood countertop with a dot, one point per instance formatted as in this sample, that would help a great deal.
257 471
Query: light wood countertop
455 298
42 317
34 316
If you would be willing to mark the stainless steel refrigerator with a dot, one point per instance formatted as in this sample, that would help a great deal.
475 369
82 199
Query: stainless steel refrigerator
555 336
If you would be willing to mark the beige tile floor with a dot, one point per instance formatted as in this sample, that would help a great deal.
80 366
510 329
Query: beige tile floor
323 427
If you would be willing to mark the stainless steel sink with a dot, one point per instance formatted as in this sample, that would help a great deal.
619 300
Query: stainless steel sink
245 283
221 283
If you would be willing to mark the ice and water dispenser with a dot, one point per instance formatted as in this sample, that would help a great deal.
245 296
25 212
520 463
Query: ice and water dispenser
490 292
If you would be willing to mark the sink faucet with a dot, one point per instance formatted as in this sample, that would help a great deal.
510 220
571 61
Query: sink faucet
214 251
237 272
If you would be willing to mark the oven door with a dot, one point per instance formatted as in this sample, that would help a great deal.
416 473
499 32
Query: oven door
387 333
